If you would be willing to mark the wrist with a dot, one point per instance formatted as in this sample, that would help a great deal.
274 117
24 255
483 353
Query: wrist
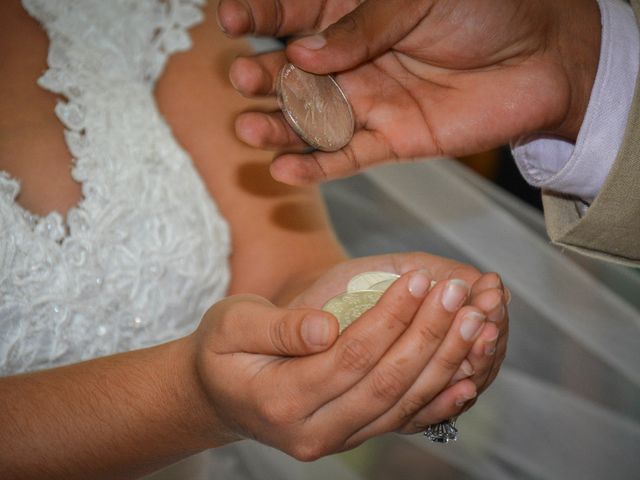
578 53
199 416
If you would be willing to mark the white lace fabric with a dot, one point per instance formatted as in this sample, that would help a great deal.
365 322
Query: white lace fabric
145 252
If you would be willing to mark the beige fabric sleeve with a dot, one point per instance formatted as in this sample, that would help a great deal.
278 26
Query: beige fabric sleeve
610 230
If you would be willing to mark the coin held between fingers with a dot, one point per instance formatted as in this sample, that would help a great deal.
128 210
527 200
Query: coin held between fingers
316 108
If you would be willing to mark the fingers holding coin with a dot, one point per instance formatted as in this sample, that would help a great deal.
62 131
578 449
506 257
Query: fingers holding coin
314 106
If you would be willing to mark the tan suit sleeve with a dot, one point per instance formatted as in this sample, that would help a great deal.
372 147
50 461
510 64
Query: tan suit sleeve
610 230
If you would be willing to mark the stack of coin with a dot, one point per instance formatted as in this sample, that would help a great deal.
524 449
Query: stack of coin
363 292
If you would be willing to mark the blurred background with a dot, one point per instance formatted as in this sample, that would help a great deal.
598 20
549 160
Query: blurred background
499 167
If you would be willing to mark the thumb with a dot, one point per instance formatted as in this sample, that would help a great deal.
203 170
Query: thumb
253 325
370 30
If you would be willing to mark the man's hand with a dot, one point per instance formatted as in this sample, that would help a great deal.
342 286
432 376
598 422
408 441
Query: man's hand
424 77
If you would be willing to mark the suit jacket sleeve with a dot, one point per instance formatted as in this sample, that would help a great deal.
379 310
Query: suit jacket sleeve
610 230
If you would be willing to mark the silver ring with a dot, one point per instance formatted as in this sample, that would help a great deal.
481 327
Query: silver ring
443 432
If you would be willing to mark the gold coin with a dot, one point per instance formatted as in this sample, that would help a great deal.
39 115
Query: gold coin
316 108
365 280
347 307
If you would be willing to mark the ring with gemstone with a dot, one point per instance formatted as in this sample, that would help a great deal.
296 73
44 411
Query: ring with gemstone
443 432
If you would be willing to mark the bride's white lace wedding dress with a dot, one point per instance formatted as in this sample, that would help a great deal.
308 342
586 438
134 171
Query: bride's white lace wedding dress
143 255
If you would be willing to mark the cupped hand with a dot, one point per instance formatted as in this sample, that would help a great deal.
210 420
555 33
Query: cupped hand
285 378
487 294
425 77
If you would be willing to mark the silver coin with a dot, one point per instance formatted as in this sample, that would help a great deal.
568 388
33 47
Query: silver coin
382 286
316 108
347 307
365 280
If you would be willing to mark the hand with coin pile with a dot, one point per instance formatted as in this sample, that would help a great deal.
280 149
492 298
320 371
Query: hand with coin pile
417 338
424 77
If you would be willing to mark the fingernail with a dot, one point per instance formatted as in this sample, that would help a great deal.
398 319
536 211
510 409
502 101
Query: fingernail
235 13
471 324
495 281
497 314
313 42
419 283
490 349
231 81
465 371
220 26
462 399
467 368
507 296
315 330
455 294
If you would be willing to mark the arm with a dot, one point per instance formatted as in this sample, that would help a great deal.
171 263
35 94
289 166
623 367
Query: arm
609 228
235 377
98 419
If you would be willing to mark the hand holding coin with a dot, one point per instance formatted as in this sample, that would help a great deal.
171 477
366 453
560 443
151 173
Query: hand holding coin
424 78
373 274
364 383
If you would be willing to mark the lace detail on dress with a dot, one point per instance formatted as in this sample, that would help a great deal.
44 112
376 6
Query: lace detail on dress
145 252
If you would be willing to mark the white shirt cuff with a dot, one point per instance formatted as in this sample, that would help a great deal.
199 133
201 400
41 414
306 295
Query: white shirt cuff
579 170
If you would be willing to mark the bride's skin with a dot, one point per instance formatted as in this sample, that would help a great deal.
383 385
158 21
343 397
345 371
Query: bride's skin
264 363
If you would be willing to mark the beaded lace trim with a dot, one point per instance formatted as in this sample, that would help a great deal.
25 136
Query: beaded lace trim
144 253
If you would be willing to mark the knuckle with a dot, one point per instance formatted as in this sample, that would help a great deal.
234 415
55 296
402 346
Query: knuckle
281 336
410 406
446 364
348 24
387 383
388 310
280 411
309 450
430 335
227 314
354 356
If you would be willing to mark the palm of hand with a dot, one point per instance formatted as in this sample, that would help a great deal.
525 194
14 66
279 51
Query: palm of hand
460 82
